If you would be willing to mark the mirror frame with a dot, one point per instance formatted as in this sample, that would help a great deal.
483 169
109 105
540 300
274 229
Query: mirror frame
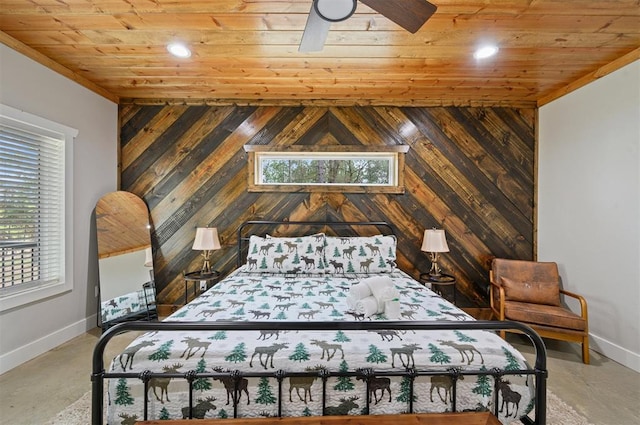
125 260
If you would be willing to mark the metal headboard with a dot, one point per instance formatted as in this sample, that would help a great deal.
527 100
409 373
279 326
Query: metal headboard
338 228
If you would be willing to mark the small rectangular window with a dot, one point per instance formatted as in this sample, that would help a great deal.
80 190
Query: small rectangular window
326 168
312 168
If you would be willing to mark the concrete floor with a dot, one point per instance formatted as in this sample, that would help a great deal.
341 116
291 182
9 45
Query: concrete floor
34 392
605 392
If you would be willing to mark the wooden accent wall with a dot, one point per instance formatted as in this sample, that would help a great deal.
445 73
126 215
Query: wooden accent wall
468 170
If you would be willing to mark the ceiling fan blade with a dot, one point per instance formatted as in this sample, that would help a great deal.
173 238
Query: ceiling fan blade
409 14
315 33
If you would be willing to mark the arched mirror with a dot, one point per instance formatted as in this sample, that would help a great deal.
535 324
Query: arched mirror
125 260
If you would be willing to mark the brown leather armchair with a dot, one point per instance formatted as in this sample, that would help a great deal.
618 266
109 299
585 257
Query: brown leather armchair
529 292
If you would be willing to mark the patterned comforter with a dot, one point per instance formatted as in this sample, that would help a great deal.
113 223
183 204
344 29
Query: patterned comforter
259 297
126 305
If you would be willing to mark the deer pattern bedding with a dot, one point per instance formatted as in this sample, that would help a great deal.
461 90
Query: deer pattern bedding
126 305
245 296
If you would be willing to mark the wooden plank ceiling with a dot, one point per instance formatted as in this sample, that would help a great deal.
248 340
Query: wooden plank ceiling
122 224
246 51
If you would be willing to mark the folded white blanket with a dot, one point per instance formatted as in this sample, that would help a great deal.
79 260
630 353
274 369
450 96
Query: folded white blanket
379 286
368 306
392 309
351 302
368 297
360 290
377 283
387 294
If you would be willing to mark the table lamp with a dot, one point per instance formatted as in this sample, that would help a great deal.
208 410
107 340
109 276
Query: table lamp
206 241
434 242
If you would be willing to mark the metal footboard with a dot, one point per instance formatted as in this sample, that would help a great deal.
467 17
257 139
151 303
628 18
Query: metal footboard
539 370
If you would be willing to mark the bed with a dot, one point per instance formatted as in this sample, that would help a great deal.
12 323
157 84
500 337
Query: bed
136 305
278 338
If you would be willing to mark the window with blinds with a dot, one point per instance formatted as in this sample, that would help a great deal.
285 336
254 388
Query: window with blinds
32 206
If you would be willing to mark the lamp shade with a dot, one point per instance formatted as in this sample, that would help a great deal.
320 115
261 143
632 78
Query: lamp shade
206 239
148 257
434 241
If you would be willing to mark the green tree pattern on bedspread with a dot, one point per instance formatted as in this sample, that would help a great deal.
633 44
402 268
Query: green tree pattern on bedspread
256 296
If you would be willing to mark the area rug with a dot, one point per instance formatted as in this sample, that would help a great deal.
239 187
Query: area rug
558 412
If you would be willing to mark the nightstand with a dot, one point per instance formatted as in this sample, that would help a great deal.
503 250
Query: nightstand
444 285
200 282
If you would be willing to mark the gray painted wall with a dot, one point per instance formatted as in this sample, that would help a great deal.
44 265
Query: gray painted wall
27 331
589 205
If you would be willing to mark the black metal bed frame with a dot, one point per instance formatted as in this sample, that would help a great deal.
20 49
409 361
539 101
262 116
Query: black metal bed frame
539 370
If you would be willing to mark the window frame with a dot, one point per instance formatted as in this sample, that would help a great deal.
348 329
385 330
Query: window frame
11 298
255 152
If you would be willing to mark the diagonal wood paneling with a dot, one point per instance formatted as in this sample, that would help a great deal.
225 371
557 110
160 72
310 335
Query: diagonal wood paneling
469 171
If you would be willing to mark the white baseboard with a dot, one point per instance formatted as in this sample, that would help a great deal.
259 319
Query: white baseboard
40 346
614 352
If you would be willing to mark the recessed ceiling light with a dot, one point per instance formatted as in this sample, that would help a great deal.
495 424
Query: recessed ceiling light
179 50
485 52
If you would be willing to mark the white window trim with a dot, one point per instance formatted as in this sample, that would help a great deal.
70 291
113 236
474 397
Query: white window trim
17 299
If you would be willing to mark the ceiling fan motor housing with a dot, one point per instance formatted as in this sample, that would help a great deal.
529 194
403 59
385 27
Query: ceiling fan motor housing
409 14
335 10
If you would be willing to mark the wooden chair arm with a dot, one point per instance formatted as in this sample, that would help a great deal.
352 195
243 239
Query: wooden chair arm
493 286
583 302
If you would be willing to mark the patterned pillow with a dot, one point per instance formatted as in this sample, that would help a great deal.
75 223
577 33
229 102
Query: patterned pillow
373 254
302 254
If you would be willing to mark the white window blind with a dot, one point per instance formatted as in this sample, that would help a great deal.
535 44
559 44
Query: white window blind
32 200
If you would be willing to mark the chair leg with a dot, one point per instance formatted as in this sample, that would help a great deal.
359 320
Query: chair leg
503 334
585 350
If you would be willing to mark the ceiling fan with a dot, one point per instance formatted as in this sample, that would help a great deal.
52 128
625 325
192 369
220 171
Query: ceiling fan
409 14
